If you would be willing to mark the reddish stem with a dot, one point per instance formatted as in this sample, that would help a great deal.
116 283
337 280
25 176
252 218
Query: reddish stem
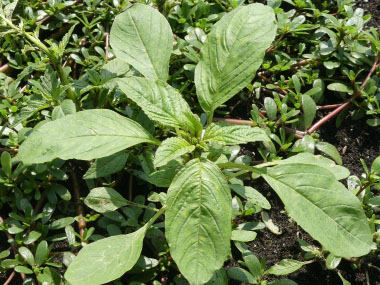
107 43
9 280
357 94
78 204
4 68
329 107
15 150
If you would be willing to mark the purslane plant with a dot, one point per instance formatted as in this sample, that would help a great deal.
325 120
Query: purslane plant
198 208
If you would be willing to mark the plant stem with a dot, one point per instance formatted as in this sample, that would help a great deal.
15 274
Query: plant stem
357 94
155 217
9 280
141 206
362 188
2 149
4 68
78 203
130 187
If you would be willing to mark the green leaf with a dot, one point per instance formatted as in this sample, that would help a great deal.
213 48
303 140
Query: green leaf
339 87
283 282
170 149
67 107
241 275
161 103
85 135
6 163
271 108
309 110
4 254
323 207
27 255
338 171
375 168
253 264
35 104
251 195
242 235
106 166
225 133
23 269
232 53
164 176
330 150
142 37
286 266
61 223
373 122
332 261
318 83
104 199
198 231
42 252
106 259
32 237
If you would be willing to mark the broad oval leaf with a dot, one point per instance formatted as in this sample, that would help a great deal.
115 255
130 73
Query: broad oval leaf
161 103
309 110
330 150
106 259
198 220
323 207
105 199
285 267
232 53
142 37
234 134
170 149
84 135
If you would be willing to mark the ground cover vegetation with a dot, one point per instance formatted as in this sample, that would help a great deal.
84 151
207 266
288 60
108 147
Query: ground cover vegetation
139 140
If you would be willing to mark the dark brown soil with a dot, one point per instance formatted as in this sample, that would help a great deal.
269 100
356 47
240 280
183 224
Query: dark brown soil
372 7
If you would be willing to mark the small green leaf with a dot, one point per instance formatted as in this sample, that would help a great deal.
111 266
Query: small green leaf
340 87
61 223
283 282
373 122
23 269
106 260
241 275
84 135
142 37
106 165
27 255
253 264
4 254
332 261
32 237
105 199
67 107
309 110
375 168
42 253
330 150
318 83
234 134
6 163
34 105
242 235
170 149
61 191
251 195
286 266
296 83
271 108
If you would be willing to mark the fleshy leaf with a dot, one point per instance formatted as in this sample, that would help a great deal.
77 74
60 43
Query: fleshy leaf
161 103
323 207
232 53
142 37
198 220
84 135
170 149
285 267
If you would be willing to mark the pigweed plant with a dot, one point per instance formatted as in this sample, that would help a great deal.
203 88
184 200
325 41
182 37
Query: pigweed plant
198 204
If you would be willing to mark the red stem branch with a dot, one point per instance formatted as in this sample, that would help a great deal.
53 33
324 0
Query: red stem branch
9 280
357 94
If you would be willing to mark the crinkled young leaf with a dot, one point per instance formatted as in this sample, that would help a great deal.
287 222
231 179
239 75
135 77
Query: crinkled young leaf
161 103
35 104
170 149
142 37
323 207
232 53
84 135
104 199
234 134
198 220
286 266
106 166
106 259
